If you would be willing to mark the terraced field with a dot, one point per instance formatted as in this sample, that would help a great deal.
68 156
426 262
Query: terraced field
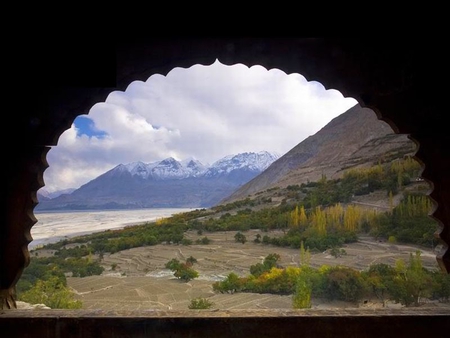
141 282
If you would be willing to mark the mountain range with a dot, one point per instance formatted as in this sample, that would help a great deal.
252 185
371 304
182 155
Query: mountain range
356 138
166 183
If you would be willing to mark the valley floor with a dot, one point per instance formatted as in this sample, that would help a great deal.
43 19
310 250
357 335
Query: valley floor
141 282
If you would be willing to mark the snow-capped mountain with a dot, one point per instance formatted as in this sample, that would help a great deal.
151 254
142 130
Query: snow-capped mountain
257 162
166 183
170 168
195 167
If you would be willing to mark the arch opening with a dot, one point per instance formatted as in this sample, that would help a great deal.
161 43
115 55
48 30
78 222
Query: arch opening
369 70
103 132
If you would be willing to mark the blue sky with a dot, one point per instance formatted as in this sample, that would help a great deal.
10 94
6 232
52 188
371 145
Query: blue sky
205 112
84 125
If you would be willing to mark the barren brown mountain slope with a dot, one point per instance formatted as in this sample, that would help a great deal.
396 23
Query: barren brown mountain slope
356 138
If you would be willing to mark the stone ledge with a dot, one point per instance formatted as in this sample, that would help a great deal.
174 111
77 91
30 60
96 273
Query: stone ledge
256 313
412 323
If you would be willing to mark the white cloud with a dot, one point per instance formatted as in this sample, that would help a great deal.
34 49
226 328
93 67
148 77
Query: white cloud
206 112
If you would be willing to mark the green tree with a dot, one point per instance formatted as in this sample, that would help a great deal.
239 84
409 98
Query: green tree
305 255
185 273
39 268
240 237
231 283
303 290
173 264
441 286
378 278
345 284
191 260
53 293
412 281
337 252
269 262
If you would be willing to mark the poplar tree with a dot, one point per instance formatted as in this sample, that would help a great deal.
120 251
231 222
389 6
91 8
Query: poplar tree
305 255
294 218
319 221
335 216
302 218
301 298
352 217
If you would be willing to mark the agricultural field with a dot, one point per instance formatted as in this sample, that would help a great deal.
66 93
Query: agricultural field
137 279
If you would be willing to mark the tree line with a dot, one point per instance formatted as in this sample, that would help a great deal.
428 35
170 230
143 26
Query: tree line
406 282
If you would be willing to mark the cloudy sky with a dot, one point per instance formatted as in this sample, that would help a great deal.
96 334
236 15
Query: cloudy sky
204 112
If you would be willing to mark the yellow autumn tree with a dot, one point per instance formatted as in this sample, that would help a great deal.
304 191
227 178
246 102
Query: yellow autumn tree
352 218
319 221
294 218
302 218
334 216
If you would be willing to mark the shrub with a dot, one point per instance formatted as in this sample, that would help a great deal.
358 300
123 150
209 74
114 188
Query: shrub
200 303
240 237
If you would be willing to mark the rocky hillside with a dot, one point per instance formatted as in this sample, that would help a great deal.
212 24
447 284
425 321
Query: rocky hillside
356 138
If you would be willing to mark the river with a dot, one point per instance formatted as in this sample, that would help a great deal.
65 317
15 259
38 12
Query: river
54 226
